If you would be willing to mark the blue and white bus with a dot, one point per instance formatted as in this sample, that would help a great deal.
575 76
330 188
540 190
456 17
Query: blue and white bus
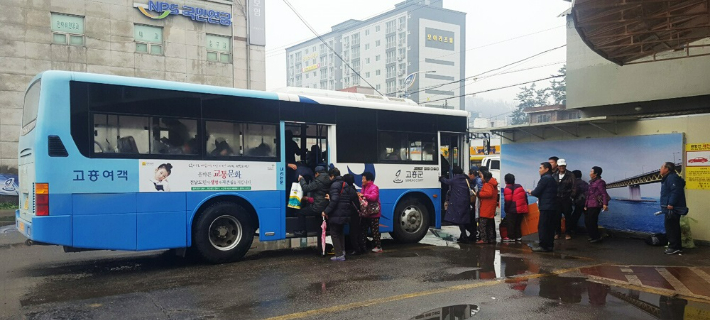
119 163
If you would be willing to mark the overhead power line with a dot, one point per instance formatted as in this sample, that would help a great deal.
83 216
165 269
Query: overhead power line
499 88
329 47
504 73
489 71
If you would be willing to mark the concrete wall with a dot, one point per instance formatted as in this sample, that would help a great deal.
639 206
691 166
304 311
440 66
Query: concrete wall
694 129
595 81
26 49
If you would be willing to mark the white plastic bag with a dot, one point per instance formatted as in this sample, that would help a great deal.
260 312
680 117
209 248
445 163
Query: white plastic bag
294 199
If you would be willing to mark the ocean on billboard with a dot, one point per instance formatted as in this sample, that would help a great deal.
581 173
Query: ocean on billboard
633 204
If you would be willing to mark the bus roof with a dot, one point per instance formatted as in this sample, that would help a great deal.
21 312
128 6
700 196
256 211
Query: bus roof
304 95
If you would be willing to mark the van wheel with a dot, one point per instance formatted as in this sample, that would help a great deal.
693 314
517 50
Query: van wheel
411 219
223 233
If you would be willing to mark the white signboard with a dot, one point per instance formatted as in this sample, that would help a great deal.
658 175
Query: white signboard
257 22
188 175
397 176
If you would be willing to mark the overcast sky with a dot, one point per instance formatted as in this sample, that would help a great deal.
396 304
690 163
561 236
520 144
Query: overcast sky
497 33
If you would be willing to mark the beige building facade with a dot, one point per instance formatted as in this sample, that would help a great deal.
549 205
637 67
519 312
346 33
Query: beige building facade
198 41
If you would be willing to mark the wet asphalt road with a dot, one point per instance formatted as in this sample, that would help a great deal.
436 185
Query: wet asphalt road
504 281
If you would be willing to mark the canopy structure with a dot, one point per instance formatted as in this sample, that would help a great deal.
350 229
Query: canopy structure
633 31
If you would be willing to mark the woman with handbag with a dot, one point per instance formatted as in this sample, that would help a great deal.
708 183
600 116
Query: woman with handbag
370 210
597 200
458 211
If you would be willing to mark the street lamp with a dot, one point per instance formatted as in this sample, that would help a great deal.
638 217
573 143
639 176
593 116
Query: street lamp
409 81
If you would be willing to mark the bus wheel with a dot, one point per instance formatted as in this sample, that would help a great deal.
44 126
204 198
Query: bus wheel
411 219
223 233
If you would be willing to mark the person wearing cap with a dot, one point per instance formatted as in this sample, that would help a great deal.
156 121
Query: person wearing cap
566 190
316 189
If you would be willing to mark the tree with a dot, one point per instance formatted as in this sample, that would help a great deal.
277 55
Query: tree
529 97
558 89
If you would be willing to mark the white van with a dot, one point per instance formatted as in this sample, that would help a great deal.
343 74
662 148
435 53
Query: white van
493 165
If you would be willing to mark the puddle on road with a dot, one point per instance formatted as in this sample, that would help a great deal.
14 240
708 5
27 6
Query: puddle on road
463 311
326 287
8 229
564 291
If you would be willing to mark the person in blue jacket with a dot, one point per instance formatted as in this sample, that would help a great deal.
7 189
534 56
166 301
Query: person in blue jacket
546 192
673 204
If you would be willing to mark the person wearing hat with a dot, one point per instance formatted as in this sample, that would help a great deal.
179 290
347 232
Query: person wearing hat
316 189
566 190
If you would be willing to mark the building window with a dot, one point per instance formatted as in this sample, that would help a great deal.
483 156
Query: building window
377 43
67 29
391 26
367 74
367 46
367 32
377 28
543 118
218 48
367 60
377 72
377 57
149 39
378 87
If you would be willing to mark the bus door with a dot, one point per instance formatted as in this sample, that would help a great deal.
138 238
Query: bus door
452 148
307 146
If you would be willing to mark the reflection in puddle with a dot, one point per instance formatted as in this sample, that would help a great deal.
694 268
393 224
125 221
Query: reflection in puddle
577 290
486 263
463 311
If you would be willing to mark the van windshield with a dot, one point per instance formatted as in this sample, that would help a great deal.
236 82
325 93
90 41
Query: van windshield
29 113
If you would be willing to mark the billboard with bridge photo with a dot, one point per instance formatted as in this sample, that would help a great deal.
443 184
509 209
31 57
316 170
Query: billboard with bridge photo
630 168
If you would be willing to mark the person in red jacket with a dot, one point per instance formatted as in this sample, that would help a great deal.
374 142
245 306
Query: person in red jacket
489 203
516 204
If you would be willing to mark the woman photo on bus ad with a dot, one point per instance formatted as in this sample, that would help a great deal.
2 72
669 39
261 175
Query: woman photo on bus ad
160 181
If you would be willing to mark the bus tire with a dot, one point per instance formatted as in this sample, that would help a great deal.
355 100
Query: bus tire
223 233
411 221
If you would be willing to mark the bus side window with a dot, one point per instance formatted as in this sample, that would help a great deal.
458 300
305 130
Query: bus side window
240 139
224 139
260 140
175 136
120 134
393 146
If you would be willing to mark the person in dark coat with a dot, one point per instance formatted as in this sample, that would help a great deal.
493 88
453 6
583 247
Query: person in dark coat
317 190
580 198
565 191
597 200
343 199
546 192
459 201
672 199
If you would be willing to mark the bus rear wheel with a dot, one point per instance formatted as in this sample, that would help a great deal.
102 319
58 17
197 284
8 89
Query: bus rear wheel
411 219
223 233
